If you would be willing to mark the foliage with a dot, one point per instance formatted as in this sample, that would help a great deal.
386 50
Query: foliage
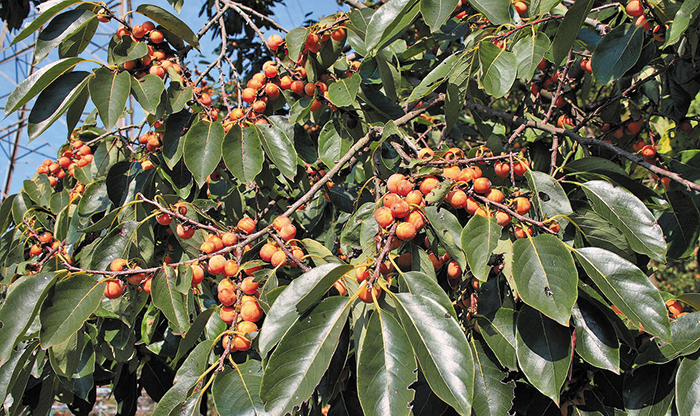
418 207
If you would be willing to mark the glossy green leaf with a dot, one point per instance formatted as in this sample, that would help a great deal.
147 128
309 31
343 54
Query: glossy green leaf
626 212
47 10
449 231
38 81
649 390
60 28
169 22
94 199
114 244
171 302
382 19
321 287
242 153
549 197
236 391
617 52
479 240
529 51
434 78
598 232
681 225
331 145
202 149
447 365
538 7
279 147
545 276
69 306
342 93
177 97
692 299
295 40
176 126
499 333
492 397
76 43
420 283
148 91
685 340
187 376
385 367
436 12
498 69
109 91
688 387
55 100
684 16
596 341
303 355
127 50
284 313
543 348
569 29
628 288
22 302
497 11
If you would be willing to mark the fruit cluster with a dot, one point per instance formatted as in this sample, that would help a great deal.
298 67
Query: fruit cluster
160 57
240 306
76 155
645 20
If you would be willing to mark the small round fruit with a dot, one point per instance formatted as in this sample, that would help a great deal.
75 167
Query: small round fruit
184 232
417 219
164 219
338 35
227 314
674 307
520 168
495 195
267 251
384 217
247 225
482 185
406 231
114 289
502 218
361 274
279 259
251 312
35 250
428 184
522 205
522 231
457 198
216 264
156 36
197 274
648 151
249 286
414 197
247 327
118 265
454 270
404 187
231 268
248 95
288 232
229 239
520 7
393 182
367 294
315 106
281 222
390 199
634 8
400 209
274 42
502 169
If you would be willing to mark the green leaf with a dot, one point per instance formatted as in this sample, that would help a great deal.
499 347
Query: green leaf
420 283
688 386
60 28
447 364
114 244
649 390
128 50
331 145
538 7
295 40
529 51
549 197
279 147
598 232
284 313
202 149
303 355
685 339
22 302
357 28
692 299
449 231
681 225
479 240
569 28
37 82
69 306
177 97
176 126
342 93
148 91
385 367
382 20
545 276
94 199
628 288
498 69
497 11
617 52
242 153
499 333
236 391
543 348
596 340
79 40
436 12
170 22
109 92
55 100
491 396
626 212
171 302
321 287
47 10
684 16
434 78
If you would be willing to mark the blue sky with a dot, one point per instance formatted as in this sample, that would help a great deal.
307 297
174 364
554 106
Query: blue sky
14 70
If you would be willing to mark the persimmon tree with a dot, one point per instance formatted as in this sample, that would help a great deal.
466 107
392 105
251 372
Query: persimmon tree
416 207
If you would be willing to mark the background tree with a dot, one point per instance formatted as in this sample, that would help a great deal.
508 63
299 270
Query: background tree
418 207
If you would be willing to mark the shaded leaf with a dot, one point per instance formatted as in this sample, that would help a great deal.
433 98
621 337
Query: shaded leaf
499 334
529 52
202 149
342 93
55 100
436 12
497 11
449 231
236 390
617 52
498 69
492 397
649 390
169 22
279 147
479 239
688 387
596 341
148 91
382 20
47 10
295 40
681 225
421 284
60 28
109 91
171 302
569 29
